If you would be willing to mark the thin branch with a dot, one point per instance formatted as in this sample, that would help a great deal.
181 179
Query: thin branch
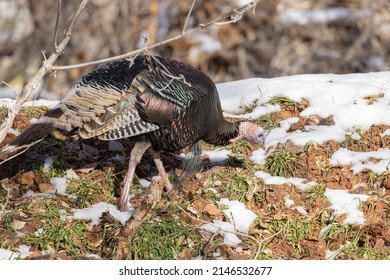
188 17
25 148
45 68
56 26
234 16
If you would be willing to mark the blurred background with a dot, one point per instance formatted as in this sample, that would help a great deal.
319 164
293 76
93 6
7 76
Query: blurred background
282 37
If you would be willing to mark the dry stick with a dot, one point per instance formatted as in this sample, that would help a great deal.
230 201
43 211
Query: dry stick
234 16
188 17
26 147
56 26
45 68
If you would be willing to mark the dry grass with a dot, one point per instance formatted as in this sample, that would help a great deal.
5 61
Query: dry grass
172 228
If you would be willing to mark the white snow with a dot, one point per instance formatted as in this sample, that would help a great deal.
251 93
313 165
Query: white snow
22 252
301 210
13 131
217 156
238 214
343 202
95 212
386 133
225 229
288 202
278 180
361 161
328 94
39 102
145 183
239 219
59 184
331 255
49 161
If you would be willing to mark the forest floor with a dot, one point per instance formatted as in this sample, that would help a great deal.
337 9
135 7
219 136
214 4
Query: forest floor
290 223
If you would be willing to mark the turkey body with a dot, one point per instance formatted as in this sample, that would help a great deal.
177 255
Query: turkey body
170 103
161 103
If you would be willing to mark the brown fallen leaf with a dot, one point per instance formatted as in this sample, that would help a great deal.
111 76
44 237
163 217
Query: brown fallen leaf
44 187
212 209
36 254
205 206
87 168
27 178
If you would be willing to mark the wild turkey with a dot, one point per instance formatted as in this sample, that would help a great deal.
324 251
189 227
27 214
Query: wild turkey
160 103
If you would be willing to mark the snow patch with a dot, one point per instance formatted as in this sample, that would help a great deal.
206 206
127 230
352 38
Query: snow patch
239 219
331 255
386 133
361 161
288 202
217 156
225 229
238 214
343 202
94 213
145 183
20 253
60 185
49 161
278 180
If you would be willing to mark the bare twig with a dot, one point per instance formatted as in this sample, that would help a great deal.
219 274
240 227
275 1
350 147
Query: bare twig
234 16
25 148
45 68
56 26
188 17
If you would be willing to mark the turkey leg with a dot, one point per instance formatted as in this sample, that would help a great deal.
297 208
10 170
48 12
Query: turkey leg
160 167
135 157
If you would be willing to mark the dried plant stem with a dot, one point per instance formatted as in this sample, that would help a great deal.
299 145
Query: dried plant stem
57 21
188 16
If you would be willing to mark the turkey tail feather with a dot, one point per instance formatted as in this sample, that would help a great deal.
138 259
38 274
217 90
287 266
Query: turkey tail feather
29 137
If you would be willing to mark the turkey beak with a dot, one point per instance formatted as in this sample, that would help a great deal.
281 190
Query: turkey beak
260 137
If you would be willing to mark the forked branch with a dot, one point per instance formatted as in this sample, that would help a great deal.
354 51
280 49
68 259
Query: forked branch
45 68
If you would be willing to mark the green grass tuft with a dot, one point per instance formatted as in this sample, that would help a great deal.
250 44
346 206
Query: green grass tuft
279 162
161 240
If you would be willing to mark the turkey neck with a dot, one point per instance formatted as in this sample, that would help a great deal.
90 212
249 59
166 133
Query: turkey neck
222 133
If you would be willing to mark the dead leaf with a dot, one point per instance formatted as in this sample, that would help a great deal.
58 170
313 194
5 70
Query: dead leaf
36 254
44 187
87 168
17 225
212 209
115 146
294 148
89 149
199 205
205 206
27 178
71 174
